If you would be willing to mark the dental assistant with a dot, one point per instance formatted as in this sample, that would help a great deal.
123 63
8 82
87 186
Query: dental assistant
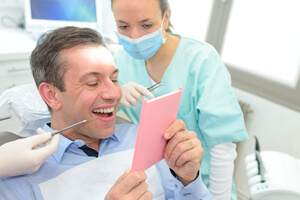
152 54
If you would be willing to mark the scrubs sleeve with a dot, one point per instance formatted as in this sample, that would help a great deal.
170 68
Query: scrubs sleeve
219 115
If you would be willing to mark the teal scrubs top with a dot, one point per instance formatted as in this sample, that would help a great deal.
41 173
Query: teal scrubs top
208 104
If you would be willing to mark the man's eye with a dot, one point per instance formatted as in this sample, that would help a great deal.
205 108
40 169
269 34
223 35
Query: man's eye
115 81
92 84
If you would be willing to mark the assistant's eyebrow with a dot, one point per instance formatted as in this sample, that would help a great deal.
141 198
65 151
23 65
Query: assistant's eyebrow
122 22
142 21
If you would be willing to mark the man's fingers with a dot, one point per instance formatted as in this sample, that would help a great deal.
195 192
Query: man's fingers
138 191
191 155
177 138
177 126
121 178
132 180
130 186
183 152
146 196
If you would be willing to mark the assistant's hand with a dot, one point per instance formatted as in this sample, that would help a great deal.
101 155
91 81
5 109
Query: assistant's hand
25 156
130 186
183 153
133 92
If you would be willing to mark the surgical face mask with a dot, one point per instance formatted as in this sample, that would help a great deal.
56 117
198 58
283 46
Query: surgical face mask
144 47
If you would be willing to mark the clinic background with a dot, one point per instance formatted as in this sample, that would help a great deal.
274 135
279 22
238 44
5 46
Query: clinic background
260 50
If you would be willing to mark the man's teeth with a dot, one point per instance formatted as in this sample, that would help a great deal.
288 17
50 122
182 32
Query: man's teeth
106 110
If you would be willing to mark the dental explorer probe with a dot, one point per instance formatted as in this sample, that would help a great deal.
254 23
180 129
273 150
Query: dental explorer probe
155 86
71 126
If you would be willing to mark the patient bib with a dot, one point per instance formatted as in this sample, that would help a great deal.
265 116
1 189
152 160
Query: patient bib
92 180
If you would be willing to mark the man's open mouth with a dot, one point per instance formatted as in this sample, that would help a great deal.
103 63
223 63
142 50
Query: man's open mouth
107 112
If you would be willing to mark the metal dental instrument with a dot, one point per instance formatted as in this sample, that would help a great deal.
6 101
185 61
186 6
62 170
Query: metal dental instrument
72 126
155 86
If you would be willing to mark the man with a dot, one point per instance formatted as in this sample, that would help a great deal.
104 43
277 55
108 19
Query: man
77 78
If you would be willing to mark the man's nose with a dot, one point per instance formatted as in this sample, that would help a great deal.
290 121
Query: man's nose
111 91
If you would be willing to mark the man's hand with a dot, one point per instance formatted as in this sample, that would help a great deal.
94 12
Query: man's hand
25 156
183 153
130 186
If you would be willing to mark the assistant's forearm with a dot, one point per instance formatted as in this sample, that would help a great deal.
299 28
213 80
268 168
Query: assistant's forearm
221 170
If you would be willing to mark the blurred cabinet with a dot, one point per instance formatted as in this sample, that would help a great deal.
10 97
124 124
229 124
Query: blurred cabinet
15 49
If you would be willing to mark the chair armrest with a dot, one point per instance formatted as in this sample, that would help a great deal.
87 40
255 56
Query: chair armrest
7 137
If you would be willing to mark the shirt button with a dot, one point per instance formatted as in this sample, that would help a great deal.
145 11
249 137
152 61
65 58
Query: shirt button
186 194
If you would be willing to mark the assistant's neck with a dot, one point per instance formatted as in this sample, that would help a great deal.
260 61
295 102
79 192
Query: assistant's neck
158 64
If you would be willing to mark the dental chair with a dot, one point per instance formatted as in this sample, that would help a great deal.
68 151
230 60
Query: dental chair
7 136
272 175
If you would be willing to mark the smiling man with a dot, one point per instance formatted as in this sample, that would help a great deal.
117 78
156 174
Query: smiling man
90 89
77 78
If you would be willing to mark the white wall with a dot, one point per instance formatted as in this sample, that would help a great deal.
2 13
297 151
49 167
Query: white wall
277 128
108 23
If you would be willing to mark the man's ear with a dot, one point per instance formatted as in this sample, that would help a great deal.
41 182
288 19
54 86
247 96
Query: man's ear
50 95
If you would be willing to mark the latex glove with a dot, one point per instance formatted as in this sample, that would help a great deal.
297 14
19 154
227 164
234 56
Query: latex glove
133 92
130 186
25 156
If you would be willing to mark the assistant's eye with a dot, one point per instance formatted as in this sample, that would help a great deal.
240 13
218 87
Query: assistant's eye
147 26
123 27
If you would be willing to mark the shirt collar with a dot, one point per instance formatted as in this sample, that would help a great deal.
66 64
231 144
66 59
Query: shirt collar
64 142
114 137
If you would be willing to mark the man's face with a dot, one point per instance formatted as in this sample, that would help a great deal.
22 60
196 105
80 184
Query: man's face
92 90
